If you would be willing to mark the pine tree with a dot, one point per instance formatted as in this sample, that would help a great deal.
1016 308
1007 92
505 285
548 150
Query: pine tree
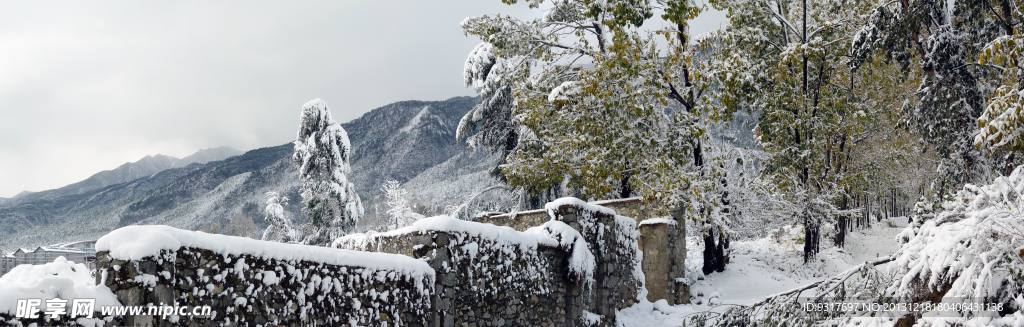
489 124
322 153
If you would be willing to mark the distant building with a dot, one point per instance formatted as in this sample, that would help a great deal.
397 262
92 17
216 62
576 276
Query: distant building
79 252
7 262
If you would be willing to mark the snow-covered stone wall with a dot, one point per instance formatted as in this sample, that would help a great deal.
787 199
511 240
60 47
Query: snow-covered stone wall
250 282
576 266
618 280
661 234
487 275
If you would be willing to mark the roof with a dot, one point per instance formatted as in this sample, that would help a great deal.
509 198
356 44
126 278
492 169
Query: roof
58 249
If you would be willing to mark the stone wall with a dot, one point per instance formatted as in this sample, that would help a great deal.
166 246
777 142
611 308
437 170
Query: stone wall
661 238
578 262
629 207
487 281
570 264
612 238
249 290
520 221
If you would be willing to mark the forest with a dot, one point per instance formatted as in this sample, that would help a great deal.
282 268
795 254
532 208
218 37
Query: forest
859 110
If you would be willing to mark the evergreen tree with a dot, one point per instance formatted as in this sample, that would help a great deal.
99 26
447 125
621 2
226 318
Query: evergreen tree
489 124
322 153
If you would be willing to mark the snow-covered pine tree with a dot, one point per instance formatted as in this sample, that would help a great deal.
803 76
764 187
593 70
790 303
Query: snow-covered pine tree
322 153
490 124
399 210
280 228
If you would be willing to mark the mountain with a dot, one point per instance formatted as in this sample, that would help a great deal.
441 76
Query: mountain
146 166
410 141
211 154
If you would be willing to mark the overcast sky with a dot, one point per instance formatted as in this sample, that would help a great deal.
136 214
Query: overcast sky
88 85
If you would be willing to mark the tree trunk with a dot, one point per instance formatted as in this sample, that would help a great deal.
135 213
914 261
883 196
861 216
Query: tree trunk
842 223
714 253
811 233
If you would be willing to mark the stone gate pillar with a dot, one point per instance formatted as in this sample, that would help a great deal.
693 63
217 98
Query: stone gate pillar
663 243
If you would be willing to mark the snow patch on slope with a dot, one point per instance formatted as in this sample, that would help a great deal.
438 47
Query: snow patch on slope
415 121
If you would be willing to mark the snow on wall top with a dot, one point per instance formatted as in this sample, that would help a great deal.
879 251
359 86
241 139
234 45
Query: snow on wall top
552 233
137 242
581 260
571 201
502 234
658 221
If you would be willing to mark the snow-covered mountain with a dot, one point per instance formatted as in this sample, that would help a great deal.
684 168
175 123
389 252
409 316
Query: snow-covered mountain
146 166
407 141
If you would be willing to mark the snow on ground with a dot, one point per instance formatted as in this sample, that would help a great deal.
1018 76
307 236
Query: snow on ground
762 267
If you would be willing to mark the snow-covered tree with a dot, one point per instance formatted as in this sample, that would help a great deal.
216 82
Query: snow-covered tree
490 124
788 62
280 228
1001 125
606 107
322 153
942 40
399 210
970 251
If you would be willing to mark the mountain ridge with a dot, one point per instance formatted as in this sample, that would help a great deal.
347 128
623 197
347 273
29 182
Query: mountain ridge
147 165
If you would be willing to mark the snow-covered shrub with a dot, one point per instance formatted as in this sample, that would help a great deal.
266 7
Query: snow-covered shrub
280 227
971 250
59 279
